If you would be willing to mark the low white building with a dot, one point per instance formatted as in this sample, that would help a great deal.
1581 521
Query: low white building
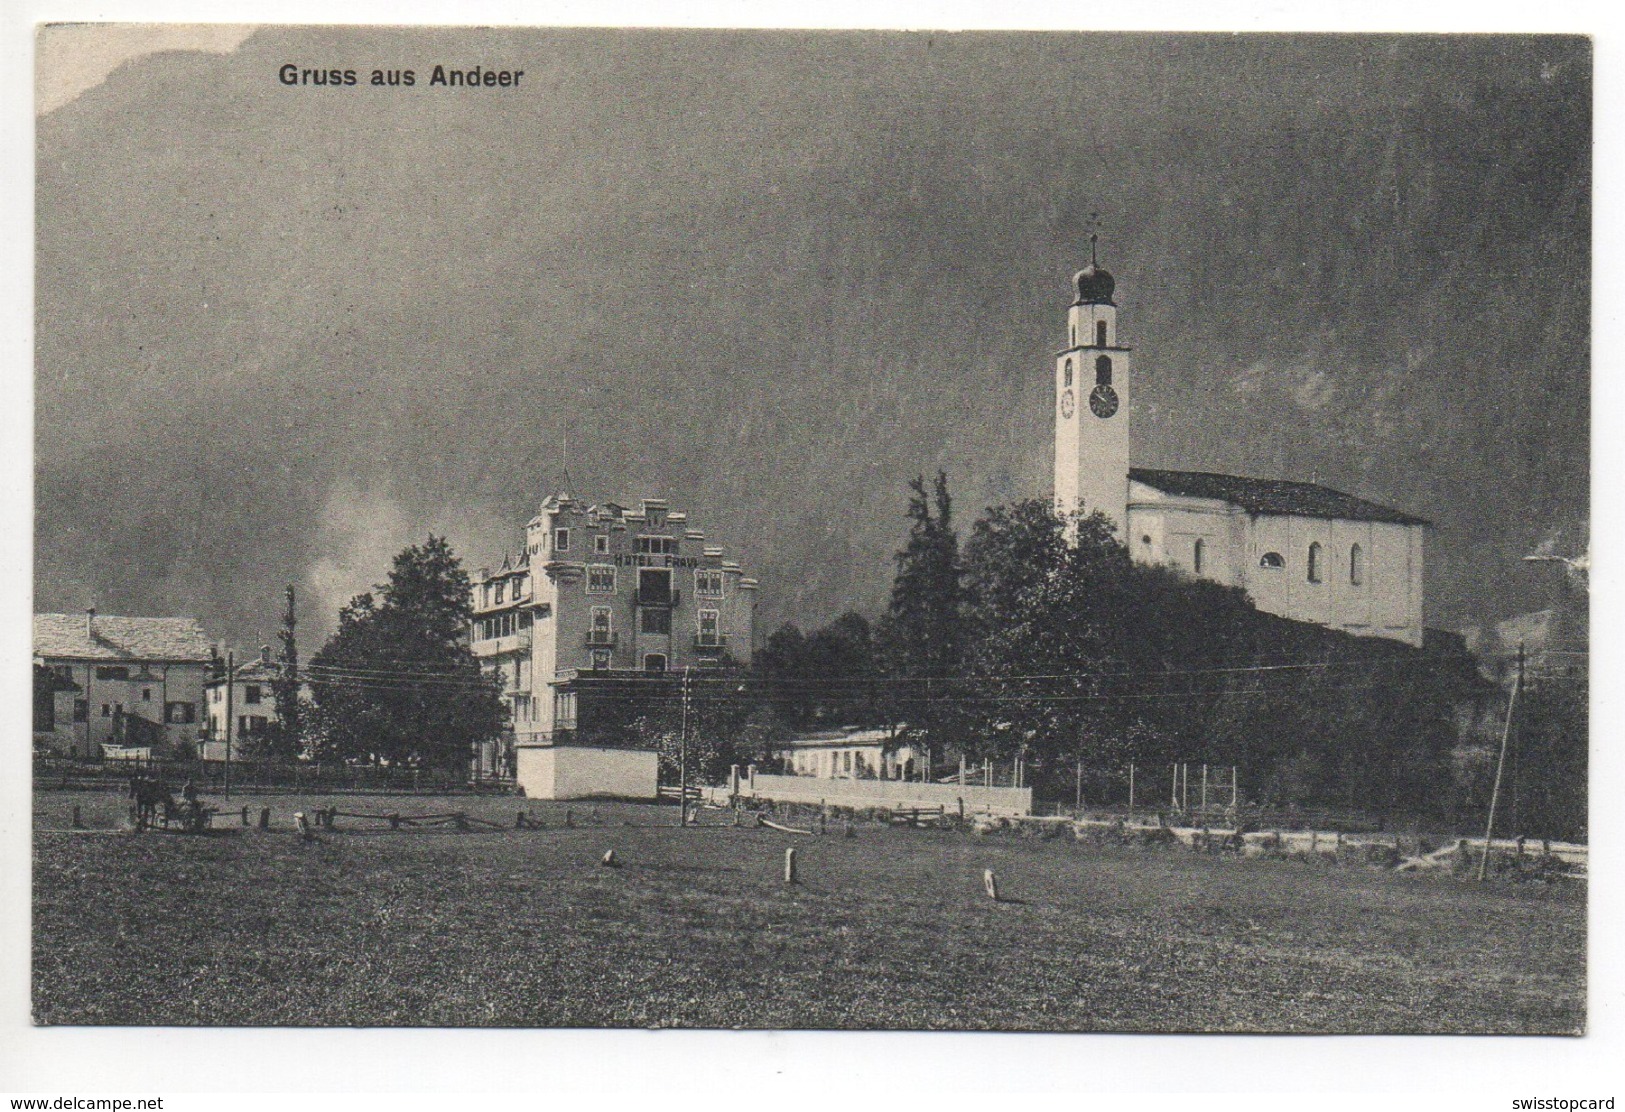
852 753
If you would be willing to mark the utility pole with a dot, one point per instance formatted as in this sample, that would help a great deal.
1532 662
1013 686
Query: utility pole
231 682
1500 765
682 759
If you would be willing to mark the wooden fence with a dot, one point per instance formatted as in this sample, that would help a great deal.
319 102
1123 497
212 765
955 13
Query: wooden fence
262 777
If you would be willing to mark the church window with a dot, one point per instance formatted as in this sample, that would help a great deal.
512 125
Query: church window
1314 562
1100 333
1356 566
1271 560
1196 555
1103 371
1068 381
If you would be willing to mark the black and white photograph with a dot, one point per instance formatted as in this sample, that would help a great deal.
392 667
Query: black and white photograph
811 530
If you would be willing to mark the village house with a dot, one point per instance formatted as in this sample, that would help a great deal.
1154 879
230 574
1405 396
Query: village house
125 683
246 705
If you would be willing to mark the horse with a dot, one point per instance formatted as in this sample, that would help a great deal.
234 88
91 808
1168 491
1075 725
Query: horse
148 792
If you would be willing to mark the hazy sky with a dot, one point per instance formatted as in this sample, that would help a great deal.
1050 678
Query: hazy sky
283 331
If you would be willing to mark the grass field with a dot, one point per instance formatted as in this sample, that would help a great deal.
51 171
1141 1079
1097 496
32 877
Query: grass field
889 929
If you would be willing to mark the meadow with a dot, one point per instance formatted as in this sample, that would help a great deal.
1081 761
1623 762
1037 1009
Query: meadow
888 928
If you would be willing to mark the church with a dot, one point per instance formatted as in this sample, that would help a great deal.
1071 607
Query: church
1300 550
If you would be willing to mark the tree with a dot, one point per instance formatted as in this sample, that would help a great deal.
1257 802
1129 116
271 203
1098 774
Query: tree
1072 652
921 636
827 676
397 682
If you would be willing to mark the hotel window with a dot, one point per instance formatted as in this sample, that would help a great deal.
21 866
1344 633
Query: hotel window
656 620
251 693
564 710
654 587
81 710
600 619
600 544
146 694
654 662
180 712
658 546
1356 566
708 582
1271 560
500 586
518 588
709 635
600 660
106 673
1314 562
600 579
561 540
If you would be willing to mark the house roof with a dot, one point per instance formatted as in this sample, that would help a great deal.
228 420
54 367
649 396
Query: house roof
1271 496
255 671
111 637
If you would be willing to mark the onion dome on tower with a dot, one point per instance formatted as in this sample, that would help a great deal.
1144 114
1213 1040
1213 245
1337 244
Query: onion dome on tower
1095 284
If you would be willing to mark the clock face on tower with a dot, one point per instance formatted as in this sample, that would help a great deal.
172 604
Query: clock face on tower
1103 401
1067 404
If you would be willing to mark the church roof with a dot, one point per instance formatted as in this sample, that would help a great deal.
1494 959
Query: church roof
112 637
1271 496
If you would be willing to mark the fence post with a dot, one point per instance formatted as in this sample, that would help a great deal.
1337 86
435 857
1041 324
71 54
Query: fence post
790 865
990 885
752 779
77 823
265 818
304 826
245 814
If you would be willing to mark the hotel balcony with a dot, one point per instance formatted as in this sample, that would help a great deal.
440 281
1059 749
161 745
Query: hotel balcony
516 642
710 642
659 598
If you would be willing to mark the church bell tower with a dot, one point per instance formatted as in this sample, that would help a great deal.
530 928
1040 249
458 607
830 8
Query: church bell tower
1091 403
